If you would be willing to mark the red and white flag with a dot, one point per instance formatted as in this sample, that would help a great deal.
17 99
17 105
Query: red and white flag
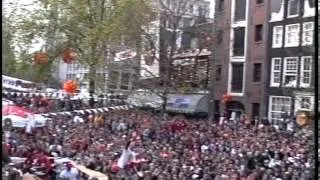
124 55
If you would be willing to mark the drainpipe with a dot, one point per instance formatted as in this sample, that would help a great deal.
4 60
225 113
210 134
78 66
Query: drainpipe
211 110
266 63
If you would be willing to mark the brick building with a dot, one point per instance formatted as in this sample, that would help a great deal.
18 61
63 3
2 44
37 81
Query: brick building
291 58
239 56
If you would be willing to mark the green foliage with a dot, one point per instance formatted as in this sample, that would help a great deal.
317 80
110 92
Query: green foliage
136 14
8 56
84 25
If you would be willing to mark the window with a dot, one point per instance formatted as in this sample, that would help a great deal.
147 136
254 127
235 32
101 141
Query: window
221 5
257 72
180 23
68 67
305 103
238 42
220 36
255 110
194 43
206 11
259 1
312 3
276 10
168 4
290 72
216 109
218 72
279 106
293 8
113 80
259 32
191 8
277 36
292 35
237 78
125 80
275 72
305 72
187 22
86 76
307 34
240 10
200 11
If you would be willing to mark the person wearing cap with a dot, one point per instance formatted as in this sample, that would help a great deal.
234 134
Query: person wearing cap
70 172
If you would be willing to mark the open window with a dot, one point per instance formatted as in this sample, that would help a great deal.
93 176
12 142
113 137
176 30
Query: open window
290 71
293 8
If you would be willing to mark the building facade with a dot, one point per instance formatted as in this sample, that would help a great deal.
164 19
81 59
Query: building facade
239 57
291 60
182 29
114 76
191 63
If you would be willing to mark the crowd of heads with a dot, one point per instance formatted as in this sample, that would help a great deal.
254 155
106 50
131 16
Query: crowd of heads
42 104
170 147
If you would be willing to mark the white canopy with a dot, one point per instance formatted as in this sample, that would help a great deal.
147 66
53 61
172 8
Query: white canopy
145 98
20 122
10 83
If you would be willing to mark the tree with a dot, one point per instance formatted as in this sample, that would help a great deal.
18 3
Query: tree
8 54
85 26
169 17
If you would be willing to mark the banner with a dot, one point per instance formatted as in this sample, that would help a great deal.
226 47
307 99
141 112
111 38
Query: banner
179 102
17 84
125 55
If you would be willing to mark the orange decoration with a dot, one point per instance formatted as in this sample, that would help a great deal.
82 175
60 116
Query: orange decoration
41 57
69 56
226 98
70 86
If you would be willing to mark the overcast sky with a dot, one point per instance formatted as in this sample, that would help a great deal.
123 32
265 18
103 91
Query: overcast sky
211 8
31 6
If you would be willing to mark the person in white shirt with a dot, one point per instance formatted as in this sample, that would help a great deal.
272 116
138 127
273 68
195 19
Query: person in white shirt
30 124
126 156
69 173
78 119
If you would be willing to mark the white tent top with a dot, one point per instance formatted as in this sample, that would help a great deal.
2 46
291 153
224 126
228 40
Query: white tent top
8 78
10 83
145 98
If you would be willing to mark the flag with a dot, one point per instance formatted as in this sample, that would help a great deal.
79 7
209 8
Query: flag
126 156
124 55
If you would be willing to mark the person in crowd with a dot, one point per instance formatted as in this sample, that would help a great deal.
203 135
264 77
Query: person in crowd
70 173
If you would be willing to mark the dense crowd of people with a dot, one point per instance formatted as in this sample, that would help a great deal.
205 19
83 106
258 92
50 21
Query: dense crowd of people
167 147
